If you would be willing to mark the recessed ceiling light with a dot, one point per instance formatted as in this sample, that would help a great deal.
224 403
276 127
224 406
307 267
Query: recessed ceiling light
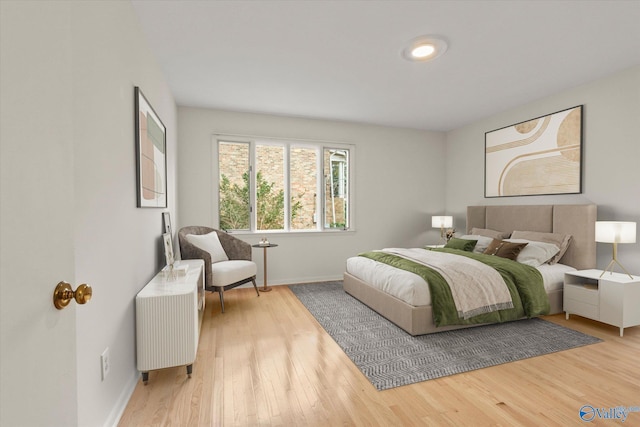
425 48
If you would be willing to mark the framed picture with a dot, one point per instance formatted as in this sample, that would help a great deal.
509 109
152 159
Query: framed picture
168 248
538 157
151 154
166 220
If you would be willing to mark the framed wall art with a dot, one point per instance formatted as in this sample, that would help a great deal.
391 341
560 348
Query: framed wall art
168 249
541 156
151 155
166 219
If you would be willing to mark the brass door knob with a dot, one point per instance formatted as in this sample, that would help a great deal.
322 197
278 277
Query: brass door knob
63 294
83 294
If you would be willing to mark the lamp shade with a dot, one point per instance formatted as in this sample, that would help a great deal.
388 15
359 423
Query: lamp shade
442 221
615 232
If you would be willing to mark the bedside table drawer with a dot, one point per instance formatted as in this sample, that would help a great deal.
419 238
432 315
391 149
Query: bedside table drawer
581 309
581 294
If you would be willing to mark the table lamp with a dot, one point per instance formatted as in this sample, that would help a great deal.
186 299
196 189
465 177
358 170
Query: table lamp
442 222
615 232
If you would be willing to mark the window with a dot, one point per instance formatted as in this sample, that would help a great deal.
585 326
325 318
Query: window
234 201
269 185
336 185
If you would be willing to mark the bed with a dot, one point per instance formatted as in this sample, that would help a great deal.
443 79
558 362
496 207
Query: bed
578 221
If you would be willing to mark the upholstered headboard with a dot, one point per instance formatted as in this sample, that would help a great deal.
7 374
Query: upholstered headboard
576 220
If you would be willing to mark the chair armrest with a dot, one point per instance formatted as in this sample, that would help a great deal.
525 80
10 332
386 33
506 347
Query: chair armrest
235 248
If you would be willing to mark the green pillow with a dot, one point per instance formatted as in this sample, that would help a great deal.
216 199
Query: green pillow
462 244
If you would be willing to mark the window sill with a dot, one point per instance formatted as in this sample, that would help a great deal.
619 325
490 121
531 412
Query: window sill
292 233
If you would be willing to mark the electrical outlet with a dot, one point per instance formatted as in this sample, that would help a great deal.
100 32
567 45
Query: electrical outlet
105 363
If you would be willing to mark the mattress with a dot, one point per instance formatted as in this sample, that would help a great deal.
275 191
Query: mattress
413 290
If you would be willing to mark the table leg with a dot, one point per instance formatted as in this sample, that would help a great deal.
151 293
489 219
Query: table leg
264 286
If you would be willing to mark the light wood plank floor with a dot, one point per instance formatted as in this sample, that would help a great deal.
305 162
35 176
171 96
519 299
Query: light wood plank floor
266 361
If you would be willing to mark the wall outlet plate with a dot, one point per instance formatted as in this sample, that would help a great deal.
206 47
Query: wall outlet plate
105 363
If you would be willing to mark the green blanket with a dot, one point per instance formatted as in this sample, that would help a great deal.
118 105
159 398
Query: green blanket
524 283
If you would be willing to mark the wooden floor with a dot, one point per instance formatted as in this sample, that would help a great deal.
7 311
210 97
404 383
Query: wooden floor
266 361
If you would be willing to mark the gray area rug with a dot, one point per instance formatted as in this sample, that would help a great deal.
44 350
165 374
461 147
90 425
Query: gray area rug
389 357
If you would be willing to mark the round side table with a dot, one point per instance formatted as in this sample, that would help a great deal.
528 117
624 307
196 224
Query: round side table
265 288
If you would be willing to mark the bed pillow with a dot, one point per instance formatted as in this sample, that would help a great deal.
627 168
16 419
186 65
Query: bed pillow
535 253
210 243
483 242
505 249
562 241
462 244
499 235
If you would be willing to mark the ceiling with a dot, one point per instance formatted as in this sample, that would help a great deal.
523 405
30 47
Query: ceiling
342 60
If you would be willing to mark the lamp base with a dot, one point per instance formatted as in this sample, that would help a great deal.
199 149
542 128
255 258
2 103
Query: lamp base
615 261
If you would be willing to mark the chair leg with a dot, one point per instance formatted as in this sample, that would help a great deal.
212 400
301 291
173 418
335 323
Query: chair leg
255 286
221 292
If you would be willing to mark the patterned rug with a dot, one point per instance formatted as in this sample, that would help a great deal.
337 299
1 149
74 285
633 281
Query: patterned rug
389 357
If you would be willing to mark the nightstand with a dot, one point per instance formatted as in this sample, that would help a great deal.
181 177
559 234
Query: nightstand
613 299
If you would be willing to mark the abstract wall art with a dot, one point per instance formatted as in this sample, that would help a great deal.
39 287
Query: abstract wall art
151 153
537 157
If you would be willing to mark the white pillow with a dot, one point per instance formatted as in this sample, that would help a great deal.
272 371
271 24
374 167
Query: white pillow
483 242
562 241
535 253
210 243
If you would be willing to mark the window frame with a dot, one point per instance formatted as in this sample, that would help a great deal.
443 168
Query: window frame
347 191
320 146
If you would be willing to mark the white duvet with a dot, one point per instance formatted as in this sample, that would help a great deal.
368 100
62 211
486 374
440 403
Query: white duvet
413 290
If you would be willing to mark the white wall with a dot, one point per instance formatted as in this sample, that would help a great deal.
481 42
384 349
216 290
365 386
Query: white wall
117 245
398 178
97 56
611 156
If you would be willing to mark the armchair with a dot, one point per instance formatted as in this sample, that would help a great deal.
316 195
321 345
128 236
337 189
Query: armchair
220 274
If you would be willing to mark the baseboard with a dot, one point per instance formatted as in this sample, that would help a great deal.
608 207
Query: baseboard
121 404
